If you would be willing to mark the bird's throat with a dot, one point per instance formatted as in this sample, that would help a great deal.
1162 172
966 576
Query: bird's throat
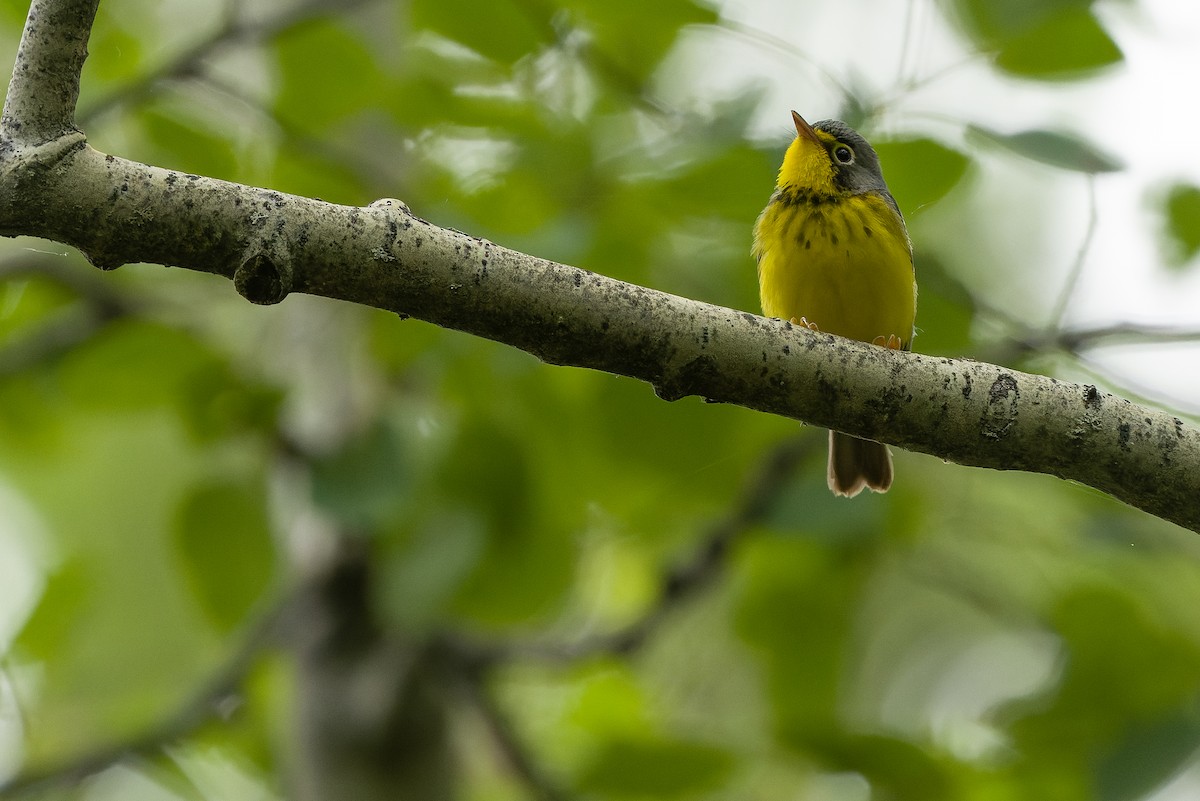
806 166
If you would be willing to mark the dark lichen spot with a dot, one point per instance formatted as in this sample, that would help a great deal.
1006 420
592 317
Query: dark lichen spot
1123 436
1003 404
1091 395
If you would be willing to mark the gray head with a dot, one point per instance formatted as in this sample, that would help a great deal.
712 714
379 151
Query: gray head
855 163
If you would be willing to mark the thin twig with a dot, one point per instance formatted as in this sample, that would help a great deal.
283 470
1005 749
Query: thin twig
507 739
705 565
785 47
1023 340
906 41
1140 392
1085 246
1125 334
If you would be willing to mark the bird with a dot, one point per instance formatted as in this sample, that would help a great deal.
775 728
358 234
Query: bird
834 255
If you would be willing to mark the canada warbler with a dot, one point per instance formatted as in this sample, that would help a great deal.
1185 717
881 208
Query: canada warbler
834 255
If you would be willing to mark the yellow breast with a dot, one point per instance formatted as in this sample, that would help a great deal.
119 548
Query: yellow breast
842 263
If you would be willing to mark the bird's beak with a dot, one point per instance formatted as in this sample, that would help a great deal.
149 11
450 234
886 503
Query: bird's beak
805 130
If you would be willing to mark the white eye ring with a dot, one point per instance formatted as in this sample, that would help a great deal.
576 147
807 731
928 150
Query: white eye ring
843 154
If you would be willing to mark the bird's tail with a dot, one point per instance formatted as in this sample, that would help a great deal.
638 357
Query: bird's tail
857 463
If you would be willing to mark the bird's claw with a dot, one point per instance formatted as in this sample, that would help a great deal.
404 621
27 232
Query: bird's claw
804 322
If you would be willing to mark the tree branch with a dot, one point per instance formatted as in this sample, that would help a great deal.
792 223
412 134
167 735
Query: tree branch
271 244
44 91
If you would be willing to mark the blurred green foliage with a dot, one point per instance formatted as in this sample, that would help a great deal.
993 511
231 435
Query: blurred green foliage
970 635
1181 208
1063 150
1053 40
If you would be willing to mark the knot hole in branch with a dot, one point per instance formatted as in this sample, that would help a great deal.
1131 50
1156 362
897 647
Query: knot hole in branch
260 279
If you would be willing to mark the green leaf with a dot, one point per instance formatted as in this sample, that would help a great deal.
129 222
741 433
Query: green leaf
503 30
1147 756
1181 209
945 309
115 51
218 404
654 768
304 171
796 609
895 767
1070 44
1104 690
28 301
188 145
134 364
422 574
56 614
489 474
920 171
632 36
611 703
365 483
1041 39
733 184
1067 151
326 74
223 539
990 22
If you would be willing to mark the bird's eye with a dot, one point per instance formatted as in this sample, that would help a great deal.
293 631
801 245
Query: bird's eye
843 154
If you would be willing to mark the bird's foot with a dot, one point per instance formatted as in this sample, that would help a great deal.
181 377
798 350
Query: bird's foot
891 342
804 322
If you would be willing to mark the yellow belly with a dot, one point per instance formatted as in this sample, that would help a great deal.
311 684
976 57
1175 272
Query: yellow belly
844 267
